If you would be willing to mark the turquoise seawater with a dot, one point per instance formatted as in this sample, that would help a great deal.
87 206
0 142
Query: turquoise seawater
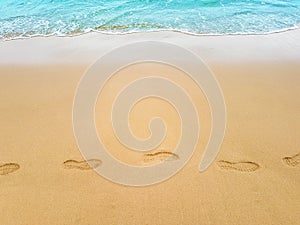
25 18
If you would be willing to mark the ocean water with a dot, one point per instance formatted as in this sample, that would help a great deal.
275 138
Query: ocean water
25 18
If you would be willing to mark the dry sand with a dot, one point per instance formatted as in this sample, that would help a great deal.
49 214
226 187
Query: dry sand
254 180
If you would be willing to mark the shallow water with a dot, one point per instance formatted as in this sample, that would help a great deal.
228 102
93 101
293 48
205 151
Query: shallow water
22 18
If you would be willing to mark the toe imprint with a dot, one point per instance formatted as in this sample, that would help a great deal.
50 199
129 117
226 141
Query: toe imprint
242 166
292 161
160 156
82 165
8 168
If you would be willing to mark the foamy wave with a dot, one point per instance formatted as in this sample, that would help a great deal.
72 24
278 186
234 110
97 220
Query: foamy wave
22 19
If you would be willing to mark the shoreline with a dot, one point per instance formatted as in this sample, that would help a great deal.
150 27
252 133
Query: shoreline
295 27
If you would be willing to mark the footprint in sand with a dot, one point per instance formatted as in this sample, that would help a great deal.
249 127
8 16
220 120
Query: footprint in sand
8 168
159 157
242 166
82 165
292 161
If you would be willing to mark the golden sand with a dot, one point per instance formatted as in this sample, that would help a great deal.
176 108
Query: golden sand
254 180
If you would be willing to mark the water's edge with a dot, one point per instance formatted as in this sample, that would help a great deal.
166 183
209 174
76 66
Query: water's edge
295 27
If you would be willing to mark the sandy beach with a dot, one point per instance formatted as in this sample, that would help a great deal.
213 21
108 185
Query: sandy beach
254 179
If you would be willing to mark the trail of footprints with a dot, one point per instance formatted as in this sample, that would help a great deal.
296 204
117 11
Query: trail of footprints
149 158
